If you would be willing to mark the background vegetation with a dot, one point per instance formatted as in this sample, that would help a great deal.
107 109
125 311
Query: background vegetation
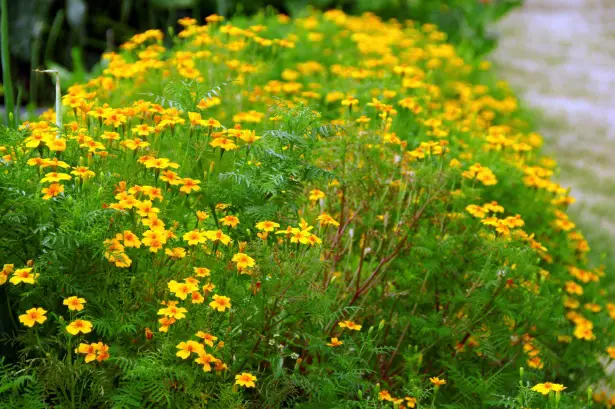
70 36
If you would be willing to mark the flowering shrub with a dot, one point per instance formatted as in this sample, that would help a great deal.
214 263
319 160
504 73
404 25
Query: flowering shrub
333 211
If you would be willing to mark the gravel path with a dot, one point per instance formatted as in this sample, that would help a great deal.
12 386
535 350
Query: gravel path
560 57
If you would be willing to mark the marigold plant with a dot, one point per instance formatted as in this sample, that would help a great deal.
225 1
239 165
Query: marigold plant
330 211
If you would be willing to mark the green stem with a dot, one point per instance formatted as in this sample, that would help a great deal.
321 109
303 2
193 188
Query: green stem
54 32
34 62
433 400
6 65
10 311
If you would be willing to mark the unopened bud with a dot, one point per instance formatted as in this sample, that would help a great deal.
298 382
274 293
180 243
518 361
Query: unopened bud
381 325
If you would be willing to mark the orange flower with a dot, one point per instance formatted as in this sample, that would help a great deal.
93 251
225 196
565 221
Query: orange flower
53 190
232 221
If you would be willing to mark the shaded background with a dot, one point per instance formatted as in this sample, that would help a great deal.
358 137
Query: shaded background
70 35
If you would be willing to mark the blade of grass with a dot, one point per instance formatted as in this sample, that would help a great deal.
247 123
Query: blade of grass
34 62
20 92
6 66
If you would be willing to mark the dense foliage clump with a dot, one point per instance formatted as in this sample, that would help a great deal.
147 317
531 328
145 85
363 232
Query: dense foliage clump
331 211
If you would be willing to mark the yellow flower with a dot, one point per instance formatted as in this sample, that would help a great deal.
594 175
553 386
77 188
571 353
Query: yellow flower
437 381
410 402
176 253
143 129
300 236
55 177
77 326
335 342
145 208
350 101
23 275
89 350
385 395
74 303
547 387
182 290
7 269
130 239
171 177
187 348
326 219
195 119
208 339
267 225
206 360
57 145
189 185
33 316
245 379
223 143
573 288
83 172
350 325
201 271
249 136
243 261
217 235
220 303
173 311
194 237
476 211
316 194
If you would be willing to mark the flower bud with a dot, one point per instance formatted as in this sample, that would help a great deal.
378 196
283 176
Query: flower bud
381 325
590 393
